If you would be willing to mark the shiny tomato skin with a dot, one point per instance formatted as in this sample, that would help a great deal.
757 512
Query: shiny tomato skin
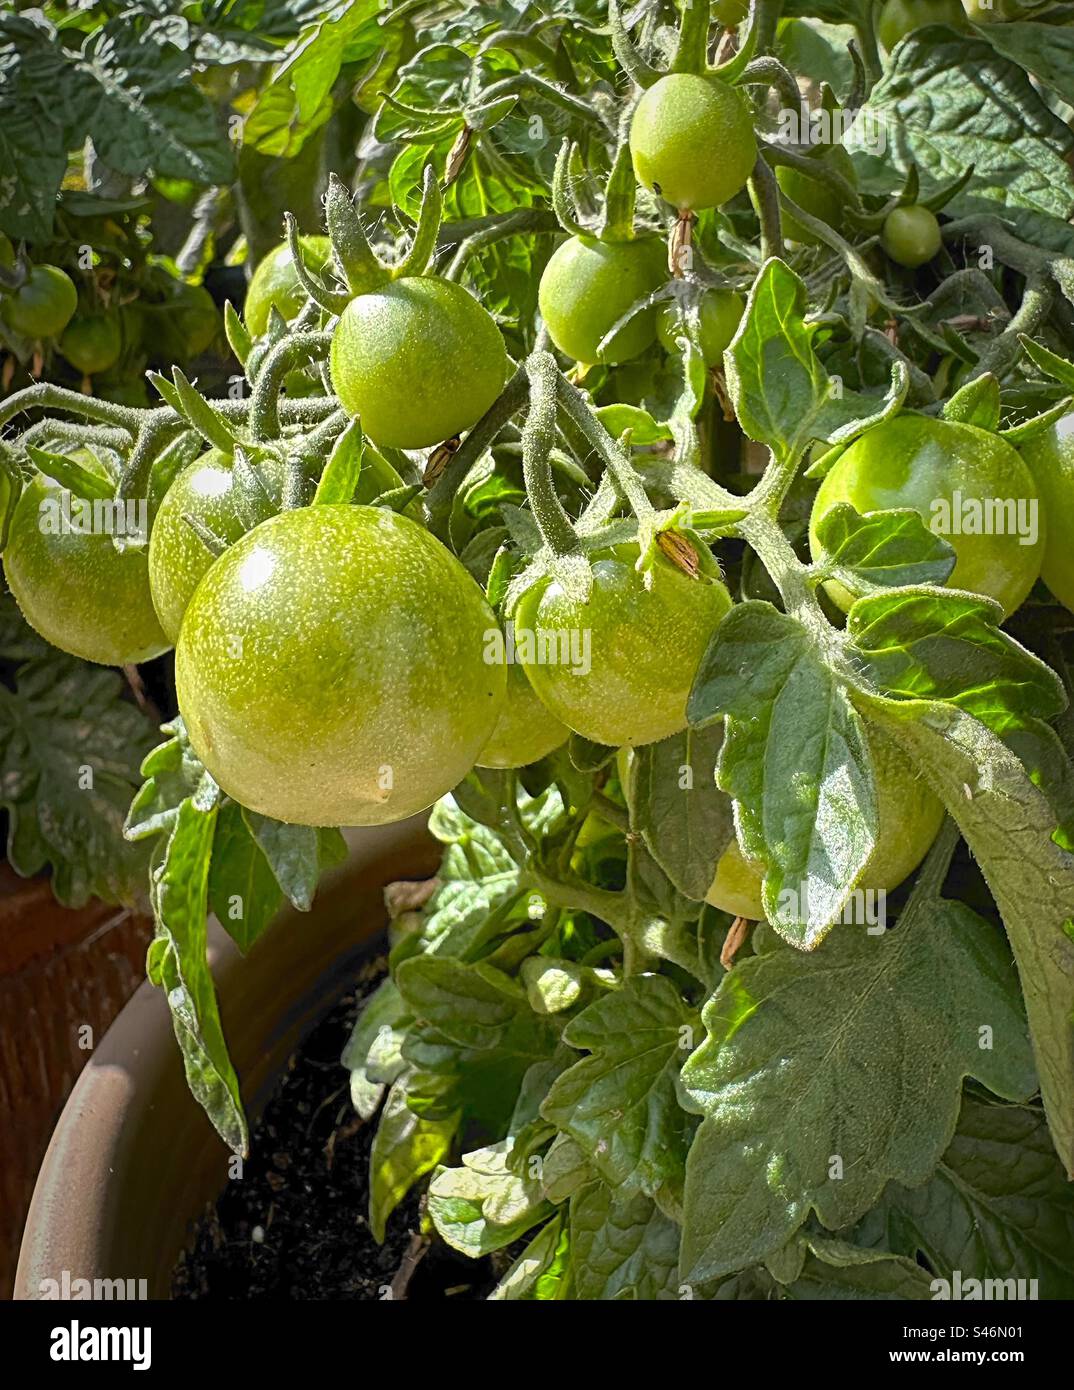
909 815
692 141
644 647
78 591
275 282
417 362
525 731
911 236
721 312
331 668
588 285
1050 458
44 305
917 462
178 559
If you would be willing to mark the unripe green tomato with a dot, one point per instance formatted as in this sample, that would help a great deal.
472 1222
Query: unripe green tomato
44 305
275 282
909 819
525 730
730 13
77 590
943 471
692 141
588 285
901 17
626 659
983 12
1050 458
812 196
331 668
417 361
721 312
911 235
92 344
178 559
198 318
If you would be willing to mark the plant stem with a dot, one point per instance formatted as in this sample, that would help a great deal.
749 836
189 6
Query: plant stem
264 417
766 195
538 440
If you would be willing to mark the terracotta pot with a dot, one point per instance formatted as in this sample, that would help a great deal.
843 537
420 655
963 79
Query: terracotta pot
133 1160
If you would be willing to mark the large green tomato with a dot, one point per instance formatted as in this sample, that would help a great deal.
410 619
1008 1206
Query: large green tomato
92 344
417 361
901 17
525 730
1051 461
962 481
44 305
330 668
721 312
909 817
812 195
588 285
911 235
178 559
692 141
76 589
618 669
275 282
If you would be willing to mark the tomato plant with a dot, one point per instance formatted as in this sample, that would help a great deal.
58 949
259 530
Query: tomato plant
640 455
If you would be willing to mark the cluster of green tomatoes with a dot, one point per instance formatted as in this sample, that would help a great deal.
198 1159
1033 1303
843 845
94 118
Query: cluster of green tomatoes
332 661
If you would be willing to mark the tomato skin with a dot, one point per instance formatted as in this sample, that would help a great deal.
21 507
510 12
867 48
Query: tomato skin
813 196
92 344
982 13
901 17
692 141
417 361
1050 458
588 285
730 13
78 591
45 304
332 650
644 647
275 282
915 461
911 236
909 816
178 560
721 313
525 731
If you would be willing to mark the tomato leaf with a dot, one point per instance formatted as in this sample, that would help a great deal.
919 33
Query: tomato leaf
787 1033
623 1247
405 1148
243 892
484 1206
890 548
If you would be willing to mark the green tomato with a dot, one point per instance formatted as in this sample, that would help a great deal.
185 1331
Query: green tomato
989 11
625 661
911 235
7 252
275 282
812 196
901 17
952 475
730 13
178 559
1050 458
692 141
525 730
417 361
588 285
331 671
909 818
721 312
92 344
44 305
77 590
197 318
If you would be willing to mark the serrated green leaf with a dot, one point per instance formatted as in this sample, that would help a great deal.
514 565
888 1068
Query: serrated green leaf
405 1148
891 548
483 1205
622 1247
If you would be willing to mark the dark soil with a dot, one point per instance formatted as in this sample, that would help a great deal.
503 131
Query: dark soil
295 1225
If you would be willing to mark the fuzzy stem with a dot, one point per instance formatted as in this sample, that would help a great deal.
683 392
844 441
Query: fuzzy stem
284 357
538 440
